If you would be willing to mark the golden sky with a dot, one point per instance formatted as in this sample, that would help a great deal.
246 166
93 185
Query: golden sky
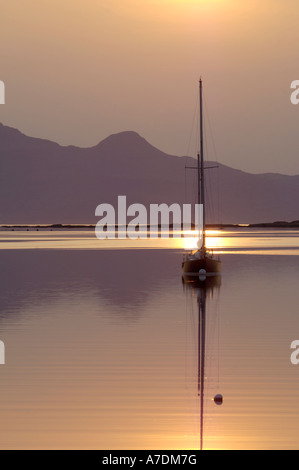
77 71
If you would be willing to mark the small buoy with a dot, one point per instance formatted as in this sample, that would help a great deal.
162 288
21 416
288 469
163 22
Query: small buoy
218 400
202 274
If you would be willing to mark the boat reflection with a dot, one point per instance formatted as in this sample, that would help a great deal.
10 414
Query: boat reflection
204 287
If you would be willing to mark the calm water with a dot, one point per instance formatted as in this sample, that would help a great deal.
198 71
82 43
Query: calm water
102 343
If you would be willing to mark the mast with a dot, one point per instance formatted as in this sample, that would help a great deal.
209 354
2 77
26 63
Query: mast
201 176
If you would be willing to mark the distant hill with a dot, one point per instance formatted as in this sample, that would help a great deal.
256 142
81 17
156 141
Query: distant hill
43 182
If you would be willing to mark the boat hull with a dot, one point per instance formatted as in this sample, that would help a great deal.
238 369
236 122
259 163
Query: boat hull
197 266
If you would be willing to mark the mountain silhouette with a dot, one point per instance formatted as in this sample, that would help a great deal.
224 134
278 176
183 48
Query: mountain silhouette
42 182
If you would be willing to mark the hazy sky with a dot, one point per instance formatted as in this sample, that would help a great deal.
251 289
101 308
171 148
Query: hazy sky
77 71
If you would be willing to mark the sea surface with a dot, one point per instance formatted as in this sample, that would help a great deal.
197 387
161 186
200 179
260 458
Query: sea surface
103 341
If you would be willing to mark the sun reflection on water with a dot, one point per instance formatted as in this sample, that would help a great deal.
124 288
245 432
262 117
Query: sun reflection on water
213 240
219 241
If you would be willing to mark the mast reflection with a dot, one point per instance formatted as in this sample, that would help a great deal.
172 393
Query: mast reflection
204 287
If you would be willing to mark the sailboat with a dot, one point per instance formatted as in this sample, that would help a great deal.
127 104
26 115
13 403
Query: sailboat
202 261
